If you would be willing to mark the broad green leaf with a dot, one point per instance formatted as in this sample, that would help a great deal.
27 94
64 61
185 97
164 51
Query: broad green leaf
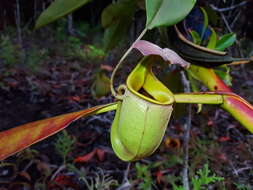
226 41
116 19
212 40
167 12
116 11
195 37
58 9
114 34
205 23
19 138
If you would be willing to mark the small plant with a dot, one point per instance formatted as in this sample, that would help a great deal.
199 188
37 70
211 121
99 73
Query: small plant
64 145
204 177
242 187
101 181
34 57
143 173
200 181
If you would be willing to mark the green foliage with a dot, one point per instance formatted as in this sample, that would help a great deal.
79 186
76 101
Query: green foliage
195 37
200 181
116 19
91 53
242 187
226 41
205 24
144 174
212 40
204 177
64 145
8 51
167 12
94 52
58 9
34 57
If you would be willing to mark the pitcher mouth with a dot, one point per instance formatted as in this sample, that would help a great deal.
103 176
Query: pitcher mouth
143 83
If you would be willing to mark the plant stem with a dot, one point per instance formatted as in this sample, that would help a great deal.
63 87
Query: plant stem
199 98
114 93
187 129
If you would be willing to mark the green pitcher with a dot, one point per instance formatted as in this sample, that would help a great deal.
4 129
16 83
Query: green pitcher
142 114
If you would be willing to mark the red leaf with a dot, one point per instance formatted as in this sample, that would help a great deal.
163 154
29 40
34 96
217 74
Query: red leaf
19 138
65 181
223 139
74 98
86 157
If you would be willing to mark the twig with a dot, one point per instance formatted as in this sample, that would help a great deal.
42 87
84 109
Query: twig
70 25
242 169
62 167
187 129
226 22
235 19
126 184
228 8
18 22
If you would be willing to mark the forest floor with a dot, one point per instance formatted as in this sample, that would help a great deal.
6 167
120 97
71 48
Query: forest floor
62 85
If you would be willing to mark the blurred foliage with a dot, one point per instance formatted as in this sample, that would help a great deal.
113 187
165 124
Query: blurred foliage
8 51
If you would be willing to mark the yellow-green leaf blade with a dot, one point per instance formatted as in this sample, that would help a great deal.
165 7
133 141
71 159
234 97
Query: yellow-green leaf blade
58 9
19 138
213 40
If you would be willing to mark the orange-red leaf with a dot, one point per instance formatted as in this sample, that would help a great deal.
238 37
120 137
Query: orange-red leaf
17 139
86 157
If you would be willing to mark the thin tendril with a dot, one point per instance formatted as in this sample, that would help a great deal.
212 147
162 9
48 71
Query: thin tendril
114 93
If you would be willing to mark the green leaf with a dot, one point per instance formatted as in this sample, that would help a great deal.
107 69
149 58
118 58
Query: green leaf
205 24
115 34
58 9
212 40
116 11
117 18
167 12
195 37
225 41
